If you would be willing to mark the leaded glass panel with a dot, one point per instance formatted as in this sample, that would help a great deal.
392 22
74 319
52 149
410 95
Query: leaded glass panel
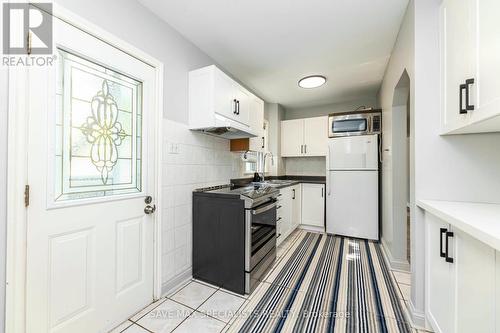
98 130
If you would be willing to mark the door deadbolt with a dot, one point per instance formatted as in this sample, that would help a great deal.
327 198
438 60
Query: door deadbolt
148 200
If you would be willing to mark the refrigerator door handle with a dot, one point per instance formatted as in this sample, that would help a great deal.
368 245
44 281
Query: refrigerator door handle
328 187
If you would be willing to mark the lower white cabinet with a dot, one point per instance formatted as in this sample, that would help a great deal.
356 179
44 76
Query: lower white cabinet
288 213
313 205
461 285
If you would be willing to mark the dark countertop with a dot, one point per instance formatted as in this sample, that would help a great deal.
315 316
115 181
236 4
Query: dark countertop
296 180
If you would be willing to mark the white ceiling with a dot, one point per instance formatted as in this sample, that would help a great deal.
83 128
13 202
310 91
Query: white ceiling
268 45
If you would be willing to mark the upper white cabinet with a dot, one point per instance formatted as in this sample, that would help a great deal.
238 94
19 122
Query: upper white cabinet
292 137
470 53
216 100
304 137
313 205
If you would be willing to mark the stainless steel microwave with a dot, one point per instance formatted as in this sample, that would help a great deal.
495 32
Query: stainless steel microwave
354 123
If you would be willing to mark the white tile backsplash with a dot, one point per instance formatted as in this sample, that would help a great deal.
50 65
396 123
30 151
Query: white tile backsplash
305 166
190 160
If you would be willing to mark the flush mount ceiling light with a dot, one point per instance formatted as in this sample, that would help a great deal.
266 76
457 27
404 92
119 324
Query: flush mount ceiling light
313 81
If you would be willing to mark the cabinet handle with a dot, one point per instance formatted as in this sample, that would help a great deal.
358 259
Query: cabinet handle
234 106
322 192
237 107
302 149
263 142
468 106
442 231
279 219
448 258
279 235
293 194
463 88
278 207
305 149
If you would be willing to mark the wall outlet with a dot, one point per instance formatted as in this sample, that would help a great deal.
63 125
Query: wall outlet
173 148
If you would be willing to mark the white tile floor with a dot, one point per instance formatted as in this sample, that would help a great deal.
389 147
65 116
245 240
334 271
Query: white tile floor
195 307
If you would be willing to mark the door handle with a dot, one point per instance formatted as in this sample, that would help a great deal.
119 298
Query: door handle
463 88
149 209
442 231
448 258
468 106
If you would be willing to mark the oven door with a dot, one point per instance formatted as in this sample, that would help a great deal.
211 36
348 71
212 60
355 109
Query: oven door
261 233
347 125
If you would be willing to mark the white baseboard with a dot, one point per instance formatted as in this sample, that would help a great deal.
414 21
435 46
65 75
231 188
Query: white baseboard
400 265
311 228
176 282
417 317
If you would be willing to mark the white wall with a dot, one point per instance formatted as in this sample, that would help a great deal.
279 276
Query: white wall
305 166
324 110
402 59
202 161
3 186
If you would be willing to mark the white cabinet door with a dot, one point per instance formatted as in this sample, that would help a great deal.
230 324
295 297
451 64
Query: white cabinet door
243 104
315 136
313 205
440 296
456 59
257 125
292 137
474 277
486 67
224 95
470 49
296 206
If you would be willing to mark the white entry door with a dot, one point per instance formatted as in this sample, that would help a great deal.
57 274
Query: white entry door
91 165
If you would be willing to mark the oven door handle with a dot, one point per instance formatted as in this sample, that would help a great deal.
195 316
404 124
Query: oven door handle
264 209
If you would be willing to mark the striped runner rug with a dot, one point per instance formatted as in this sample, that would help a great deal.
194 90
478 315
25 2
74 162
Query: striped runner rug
325 283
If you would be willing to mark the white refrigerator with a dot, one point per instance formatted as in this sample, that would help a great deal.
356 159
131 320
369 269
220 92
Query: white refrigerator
352 201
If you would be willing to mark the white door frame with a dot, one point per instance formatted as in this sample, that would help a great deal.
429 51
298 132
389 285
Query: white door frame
17 169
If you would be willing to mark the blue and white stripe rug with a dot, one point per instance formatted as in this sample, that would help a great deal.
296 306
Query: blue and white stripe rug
325 283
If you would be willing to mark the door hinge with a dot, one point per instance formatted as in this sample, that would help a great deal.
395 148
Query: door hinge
28 43
26 196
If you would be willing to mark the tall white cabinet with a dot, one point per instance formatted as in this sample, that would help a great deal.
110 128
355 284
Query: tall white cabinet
470 49
304 137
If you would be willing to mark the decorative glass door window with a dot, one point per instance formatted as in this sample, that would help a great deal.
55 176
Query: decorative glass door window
98 130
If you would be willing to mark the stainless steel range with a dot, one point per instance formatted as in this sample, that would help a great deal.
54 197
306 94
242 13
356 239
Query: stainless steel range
215 208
